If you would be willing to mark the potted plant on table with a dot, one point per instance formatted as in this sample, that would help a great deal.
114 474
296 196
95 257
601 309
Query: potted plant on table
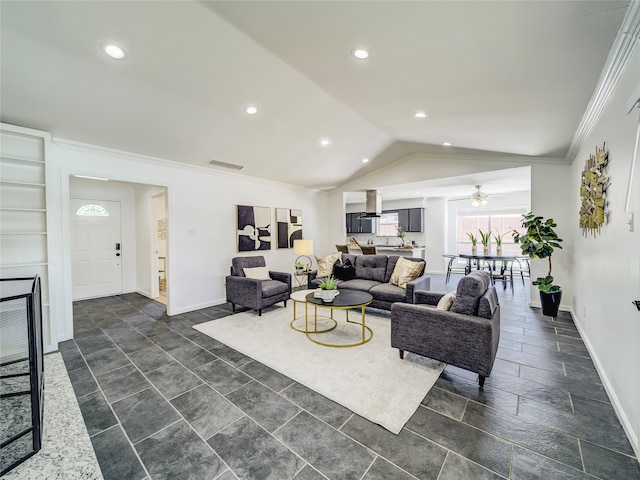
484 239
539 241
474 243
328 289
498 238
299 267
400 233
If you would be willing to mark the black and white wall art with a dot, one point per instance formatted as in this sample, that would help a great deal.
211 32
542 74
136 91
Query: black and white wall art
254 228
289 226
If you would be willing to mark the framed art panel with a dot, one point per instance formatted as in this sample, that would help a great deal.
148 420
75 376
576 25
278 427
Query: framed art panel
254 228
289 226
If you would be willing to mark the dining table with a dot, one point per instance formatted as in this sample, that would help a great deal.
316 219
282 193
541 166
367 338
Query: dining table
500 266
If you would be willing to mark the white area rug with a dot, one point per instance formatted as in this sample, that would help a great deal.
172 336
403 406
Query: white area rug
369 379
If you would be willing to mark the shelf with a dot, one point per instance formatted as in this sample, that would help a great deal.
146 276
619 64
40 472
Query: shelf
19 265
20 160
37 210
23 184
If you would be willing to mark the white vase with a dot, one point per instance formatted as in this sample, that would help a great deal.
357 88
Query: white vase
328 295
499 251
485 250
474 250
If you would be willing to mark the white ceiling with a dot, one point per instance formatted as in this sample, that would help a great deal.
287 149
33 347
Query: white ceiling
512 77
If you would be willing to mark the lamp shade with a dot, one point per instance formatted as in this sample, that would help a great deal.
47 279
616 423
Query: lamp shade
303 247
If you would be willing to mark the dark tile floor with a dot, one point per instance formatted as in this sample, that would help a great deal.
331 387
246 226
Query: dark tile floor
161 400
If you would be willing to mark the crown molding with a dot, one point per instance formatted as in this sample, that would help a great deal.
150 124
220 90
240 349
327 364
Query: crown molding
623 47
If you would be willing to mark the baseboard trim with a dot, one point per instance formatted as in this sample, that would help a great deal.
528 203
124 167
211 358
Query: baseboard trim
624 420
191 308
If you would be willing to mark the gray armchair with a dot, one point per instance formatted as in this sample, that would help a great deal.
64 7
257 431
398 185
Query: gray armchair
465 336
253 293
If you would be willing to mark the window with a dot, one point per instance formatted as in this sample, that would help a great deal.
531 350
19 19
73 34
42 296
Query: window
388 224
498 223
92 211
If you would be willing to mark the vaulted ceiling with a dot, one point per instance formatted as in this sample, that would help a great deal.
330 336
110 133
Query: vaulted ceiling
510 77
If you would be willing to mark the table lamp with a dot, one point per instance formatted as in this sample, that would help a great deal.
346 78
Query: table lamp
303 248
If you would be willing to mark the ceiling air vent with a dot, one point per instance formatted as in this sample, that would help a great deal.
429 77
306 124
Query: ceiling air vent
232 166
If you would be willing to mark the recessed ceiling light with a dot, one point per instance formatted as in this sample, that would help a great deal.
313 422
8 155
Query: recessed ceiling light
365 160
114 51
251 110
420 115
446 144
360 53
325 142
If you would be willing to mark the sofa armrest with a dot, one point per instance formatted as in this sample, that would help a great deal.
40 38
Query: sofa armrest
424 297
310 277
281 277
420 283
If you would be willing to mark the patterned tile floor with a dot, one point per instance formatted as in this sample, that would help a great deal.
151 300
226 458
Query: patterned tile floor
163 401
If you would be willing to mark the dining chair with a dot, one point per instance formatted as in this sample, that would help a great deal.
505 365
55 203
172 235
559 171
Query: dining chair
342 248
522 265
454 266
368 249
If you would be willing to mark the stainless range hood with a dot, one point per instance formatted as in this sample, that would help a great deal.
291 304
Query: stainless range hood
373 207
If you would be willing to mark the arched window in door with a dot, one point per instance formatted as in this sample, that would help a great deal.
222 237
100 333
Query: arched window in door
92 210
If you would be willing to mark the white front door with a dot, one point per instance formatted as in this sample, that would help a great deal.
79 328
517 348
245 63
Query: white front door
96 250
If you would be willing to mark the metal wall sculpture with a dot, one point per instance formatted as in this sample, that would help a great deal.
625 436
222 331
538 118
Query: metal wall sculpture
593 192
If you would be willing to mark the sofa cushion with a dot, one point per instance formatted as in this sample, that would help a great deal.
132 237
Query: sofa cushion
325 264
446 301
488 303
273 287
344 270
389 293
359 284
257 273
470 289
371 267
405 271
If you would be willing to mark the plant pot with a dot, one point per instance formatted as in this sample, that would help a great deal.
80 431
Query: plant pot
485 250
474 250
299 271
328 295
499 251
550 303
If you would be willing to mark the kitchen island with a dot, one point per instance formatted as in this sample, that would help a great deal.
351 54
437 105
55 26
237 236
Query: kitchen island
414 252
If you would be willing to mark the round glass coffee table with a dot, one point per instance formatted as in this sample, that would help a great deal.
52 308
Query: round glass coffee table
300 296
346 300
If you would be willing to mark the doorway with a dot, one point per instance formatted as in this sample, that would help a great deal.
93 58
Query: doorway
96 255
159 209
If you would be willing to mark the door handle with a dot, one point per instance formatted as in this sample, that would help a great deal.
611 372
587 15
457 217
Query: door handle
118 254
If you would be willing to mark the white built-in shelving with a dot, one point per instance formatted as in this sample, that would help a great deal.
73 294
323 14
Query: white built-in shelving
23 209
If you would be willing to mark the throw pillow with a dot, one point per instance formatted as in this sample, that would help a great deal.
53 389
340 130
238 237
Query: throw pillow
257 273
405 271
325 264
344 271
446 301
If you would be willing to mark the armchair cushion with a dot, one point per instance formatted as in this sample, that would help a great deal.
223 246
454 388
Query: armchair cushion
446 301
470 289
257 273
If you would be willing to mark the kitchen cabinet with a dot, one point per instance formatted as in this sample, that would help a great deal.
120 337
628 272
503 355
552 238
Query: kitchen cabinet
410 219
356 224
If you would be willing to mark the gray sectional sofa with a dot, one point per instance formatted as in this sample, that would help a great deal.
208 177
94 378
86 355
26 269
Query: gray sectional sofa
372 275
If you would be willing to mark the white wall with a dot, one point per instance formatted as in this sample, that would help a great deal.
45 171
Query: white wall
201 219
607 268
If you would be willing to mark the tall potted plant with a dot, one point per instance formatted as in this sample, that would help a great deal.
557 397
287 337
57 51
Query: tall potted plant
539 241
